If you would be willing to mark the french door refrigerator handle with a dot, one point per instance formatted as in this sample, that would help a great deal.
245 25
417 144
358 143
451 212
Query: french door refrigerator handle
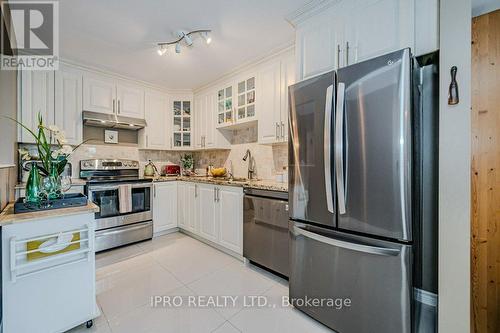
383 251
339 147
327 147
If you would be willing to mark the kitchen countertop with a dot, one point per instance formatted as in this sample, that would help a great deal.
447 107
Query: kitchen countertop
257 184
7 216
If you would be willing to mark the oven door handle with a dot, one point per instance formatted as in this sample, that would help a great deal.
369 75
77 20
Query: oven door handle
115 187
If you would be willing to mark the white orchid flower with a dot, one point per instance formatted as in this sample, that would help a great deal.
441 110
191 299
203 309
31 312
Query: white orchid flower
66 150
60 137
55 154
54 128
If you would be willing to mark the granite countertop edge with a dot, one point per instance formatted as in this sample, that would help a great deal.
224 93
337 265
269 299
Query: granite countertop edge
256 184
8 217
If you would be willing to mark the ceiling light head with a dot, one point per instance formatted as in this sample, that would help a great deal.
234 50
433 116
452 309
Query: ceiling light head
206 37
188 39
162 49
178 48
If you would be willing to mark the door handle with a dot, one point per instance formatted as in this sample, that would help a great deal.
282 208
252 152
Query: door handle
327 130
218 194
154 191
118 106
195 190
282 130
339 148
338 56
277 131
383 251
347 53
215 194
113 105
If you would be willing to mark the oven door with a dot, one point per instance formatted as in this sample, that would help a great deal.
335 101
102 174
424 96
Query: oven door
107 198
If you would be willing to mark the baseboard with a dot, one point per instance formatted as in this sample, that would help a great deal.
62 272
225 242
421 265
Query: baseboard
165 232
214 245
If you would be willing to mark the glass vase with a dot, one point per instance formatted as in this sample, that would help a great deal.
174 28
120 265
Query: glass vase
52 183
34 193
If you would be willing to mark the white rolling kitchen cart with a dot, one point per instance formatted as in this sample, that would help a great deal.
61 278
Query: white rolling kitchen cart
48 273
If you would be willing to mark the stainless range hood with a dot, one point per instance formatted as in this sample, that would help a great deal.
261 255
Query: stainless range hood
97 119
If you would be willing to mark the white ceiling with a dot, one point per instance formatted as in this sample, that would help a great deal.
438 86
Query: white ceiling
480 7
120 36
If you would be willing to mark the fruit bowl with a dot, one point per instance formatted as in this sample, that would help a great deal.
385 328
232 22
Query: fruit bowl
218 172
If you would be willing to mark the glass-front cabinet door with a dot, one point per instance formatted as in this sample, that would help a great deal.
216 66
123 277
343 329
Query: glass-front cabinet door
182 124
246 99
225 106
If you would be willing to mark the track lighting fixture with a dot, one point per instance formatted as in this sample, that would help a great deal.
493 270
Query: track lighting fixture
187 37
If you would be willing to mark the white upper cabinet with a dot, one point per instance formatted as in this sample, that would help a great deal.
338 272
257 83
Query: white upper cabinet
274 79
270 124
181 123
130 100
36 97
107 95
205 134
155 134
352 31
99 94
236 102
376 27
68 103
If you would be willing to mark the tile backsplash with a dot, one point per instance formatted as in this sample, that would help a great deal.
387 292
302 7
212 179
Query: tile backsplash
269 160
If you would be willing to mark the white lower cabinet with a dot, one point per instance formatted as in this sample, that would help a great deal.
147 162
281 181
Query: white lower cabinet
164 206
206 209
214 213
229 215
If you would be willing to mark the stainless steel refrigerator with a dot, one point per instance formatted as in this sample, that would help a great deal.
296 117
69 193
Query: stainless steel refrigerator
351 182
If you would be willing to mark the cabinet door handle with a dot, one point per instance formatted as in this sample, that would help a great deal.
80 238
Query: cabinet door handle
195 190
218 194
154 191
113 105
282 130
277 131
347 53
215 194
171 142
118 106
338 56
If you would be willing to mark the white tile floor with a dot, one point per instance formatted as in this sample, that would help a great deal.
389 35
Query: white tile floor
177 265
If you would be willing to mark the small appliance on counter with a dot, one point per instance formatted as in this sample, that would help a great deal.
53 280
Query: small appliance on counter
171 170
150 169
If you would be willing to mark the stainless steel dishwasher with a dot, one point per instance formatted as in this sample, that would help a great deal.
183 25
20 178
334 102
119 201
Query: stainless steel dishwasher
265 229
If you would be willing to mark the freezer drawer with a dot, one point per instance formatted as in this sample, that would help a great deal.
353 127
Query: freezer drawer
375 276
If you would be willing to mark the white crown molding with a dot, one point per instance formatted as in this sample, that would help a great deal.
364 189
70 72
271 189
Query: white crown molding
101 71
309 9
246 66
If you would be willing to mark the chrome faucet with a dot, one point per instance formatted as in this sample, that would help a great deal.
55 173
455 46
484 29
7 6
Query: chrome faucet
251 166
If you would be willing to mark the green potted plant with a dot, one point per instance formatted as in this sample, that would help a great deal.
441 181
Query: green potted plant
53 152
187 162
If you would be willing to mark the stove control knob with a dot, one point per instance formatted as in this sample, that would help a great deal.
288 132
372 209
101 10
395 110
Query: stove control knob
134 164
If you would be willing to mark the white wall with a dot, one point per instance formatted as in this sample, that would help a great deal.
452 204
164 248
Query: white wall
8 107
454 169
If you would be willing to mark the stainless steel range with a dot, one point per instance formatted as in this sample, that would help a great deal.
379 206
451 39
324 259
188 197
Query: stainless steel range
124 199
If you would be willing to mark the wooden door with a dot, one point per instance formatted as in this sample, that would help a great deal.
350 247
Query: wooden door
485 217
